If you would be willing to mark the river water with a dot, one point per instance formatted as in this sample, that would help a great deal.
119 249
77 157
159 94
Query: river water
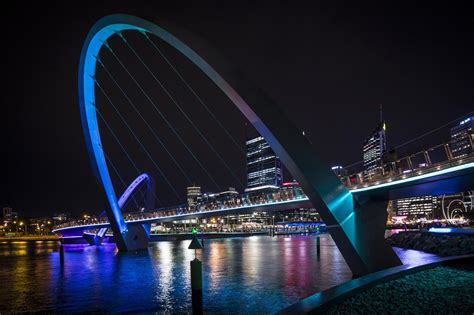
249 275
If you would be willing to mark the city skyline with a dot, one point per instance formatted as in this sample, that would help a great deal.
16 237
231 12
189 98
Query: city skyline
53 143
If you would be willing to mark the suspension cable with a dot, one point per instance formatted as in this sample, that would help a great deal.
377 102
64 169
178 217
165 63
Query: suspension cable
200 100
123 149
137 139
434 130
175 102
163 117
120 177
117 140
144 120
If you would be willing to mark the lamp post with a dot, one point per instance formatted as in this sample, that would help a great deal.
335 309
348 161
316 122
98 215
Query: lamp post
196 276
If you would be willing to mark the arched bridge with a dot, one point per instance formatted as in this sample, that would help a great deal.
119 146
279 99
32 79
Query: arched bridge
356 224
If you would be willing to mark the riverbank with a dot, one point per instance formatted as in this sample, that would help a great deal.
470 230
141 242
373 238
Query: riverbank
30 238
442 244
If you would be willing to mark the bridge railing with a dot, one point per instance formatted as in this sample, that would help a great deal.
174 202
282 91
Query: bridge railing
283 194
435 158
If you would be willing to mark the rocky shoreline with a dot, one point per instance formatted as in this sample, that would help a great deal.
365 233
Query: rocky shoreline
442 290
440 244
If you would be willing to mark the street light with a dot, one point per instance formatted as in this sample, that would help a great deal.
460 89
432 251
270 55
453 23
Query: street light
21 224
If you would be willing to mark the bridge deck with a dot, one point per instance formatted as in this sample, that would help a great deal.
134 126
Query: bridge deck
456 169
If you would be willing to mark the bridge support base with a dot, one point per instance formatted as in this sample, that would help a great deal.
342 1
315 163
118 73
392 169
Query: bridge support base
135 238
370 220
93 239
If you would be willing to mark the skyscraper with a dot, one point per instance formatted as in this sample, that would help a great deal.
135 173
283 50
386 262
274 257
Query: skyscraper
462 137
374 146
263 166
193 195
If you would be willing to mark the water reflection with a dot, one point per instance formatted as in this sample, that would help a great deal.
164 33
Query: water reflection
259 274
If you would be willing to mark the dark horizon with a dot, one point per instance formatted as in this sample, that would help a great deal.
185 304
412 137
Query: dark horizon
329 68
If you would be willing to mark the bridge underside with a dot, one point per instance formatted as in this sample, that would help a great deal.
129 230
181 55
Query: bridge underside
447 183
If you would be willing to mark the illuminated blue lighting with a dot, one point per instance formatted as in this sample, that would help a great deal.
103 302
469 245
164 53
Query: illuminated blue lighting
414 178
465 121
440 230
94 42
131 188
121 202
86 227
177 216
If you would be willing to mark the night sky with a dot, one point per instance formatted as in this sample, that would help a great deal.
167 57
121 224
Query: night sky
329 66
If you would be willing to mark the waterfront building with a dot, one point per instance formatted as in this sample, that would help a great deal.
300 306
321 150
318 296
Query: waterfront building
462 138
416 207
339 170
60 217
210 196
40 226
374 147
9 216
264 168
193 195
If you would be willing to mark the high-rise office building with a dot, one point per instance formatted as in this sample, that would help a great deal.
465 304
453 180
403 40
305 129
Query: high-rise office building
462 137
193 195
263 166
374 146
423 206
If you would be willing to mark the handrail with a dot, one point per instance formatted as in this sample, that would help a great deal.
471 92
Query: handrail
395 170
225 203
389 172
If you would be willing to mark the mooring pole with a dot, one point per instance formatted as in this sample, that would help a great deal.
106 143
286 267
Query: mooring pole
61 254
196 285
318 243
196 276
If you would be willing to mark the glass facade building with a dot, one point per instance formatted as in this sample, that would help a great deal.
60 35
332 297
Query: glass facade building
462 138
424 206
374 148
263 166
193 195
